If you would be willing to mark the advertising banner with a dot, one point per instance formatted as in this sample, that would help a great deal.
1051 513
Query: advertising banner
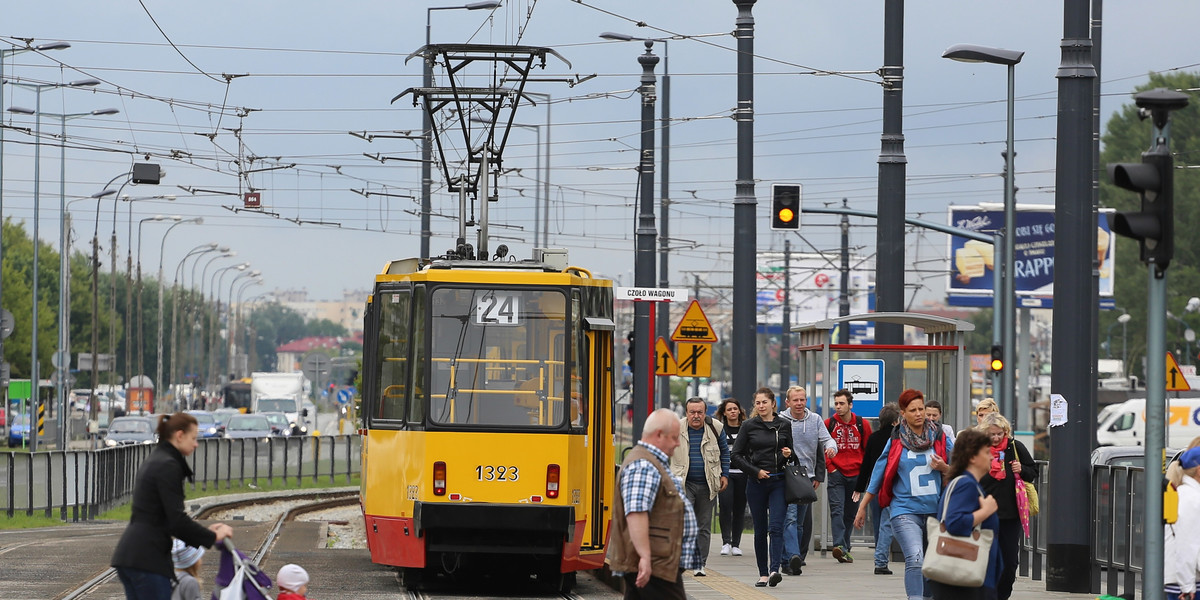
972 270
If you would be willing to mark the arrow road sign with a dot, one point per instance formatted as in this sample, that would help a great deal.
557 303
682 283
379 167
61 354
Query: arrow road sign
1176 382
664 363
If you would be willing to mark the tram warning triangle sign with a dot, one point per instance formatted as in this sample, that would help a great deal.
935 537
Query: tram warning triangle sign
664 362
694 326
1176 382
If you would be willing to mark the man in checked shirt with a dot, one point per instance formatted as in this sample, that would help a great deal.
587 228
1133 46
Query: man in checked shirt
653 536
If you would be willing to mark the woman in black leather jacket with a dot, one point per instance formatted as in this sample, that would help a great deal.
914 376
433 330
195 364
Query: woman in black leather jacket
763 446
143 556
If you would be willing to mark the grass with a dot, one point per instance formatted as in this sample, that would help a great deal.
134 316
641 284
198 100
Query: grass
122 513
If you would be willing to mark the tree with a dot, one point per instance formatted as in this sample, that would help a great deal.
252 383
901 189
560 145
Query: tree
325 328
1125 138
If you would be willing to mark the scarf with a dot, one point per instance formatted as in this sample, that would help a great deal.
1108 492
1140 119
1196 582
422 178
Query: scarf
918 443
997 471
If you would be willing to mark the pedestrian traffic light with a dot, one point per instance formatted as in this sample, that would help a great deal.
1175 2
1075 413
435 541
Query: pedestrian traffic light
1154 225
997 364
785 206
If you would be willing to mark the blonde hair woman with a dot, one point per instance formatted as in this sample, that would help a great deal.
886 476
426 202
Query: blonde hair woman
985 407
1010 459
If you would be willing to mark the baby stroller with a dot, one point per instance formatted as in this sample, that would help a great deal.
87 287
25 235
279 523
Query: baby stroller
238 578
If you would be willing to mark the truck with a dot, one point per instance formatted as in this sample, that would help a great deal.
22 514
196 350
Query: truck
1124 424
284 393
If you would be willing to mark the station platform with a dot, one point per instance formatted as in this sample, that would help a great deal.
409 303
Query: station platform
824 578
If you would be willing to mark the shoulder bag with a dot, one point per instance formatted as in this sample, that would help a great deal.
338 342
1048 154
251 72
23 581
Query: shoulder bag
952 559
798 487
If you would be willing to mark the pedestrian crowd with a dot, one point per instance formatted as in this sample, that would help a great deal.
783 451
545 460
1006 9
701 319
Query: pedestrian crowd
909 472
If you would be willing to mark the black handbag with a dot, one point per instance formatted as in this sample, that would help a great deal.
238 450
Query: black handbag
798 487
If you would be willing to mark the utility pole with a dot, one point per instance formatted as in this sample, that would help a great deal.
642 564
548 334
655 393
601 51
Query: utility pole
889 236
785 339
644 264
664 211
744 207
844 299
1068 543
696 295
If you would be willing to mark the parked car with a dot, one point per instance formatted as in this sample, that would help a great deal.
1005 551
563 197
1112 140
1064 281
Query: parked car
208 425
248 426
223 414
126 431
1124 456
18 431
279 423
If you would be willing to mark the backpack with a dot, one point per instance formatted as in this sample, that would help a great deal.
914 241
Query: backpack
858 422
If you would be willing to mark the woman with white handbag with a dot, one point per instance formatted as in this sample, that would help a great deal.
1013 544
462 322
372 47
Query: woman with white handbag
961 548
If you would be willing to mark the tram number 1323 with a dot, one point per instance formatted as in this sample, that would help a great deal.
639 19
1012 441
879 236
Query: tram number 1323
494 473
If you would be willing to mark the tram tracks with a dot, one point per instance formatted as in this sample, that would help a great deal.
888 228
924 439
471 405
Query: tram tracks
307 503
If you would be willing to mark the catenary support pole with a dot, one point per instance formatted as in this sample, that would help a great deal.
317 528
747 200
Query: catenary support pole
664 211
889 258
844 296
1068 544
785 338
643 274
744 334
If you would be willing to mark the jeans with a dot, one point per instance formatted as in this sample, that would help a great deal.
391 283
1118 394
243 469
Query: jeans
732 512
144 585
841 507
910 532
797 530
882 519
765 497
702 505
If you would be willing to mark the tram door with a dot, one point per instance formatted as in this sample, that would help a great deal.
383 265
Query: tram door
600 358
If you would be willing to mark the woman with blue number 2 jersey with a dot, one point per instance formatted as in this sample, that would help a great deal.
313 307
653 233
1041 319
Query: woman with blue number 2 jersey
908 478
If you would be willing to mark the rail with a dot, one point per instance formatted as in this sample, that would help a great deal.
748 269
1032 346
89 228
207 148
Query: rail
78 485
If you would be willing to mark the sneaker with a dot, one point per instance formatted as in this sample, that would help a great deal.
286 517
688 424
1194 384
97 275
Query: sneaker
883 571
849 558
699 573
841 555
794 564
774 579
725 550
736 551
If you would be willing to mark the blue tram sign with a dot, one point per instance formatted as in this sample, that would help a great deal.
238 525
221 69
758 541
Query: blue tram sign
864 379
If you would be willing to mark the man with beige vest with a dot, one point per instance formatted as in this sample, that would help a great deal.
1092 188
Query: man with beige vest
702 461
649 499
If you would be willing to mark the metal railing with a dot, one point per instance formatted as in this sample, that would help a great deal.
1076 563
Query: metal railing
1118 528
78 485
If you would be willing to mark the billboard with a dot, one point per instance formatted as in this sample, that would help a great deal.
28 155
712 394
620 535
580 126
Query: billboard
971 277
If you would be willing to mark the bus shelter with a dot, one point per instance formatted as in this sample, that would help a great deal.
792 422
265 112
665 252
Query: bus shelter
877 373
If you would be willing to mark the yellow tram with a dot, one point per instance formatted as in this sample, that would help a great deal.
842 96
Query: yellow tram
487 392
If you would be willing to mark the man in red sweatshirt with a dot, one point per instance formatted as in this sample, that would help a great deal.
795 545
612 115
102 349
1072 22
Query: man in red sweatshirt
850 432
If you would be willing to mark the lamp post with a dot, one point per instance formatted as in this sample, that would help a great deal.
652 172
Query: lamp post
200 354
64 342
1006 300
94 404
162 248
176 362
427 122
38 88
249 283
140 313
129 286
231 320
1108 340
4 54
218 279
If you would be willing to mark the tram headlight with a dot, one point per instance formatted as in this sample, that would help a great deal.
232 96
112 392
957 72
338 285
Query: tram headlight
439 478
552 474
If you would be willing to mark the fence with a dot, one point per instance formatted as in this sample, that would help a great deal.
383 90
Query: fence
1118 528
81 484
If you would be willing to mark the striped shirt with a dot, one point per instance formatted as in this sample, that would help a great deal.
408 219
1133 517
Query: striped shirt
639 486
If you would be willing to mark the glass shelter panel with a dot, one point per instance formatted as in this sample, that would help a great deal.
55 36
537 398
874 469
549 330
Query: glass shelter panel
498 357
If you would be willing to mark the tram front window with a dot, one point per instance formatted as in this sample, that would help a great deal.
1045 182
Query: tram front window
498 357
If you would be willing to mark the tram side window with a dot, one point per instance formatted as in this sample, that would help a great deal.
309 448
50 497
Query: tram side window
579 366
393 354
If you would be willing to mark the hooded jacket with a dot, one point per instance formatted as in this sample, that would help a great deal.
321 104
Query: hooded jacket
759 445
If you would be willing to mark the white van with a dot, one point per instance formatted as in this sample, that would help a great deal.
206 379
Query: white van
1124 424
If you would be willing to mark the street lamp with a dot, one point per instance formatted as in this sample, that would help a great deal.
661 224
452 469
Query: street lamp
231 320
129 282
162 248
427 122
200 354
140 313
64 342
3 55
176 362
94 404
1006 299
215 286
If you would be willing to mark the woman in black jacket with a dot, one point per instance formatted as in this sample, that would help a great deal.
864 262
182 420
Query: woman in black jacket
143 556
1009 458
889 417
763 445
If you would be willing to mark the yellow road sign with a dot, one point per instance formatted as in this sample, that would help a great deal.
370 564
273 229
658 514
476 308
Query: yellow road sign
664 363
1176 382
695 360
694 327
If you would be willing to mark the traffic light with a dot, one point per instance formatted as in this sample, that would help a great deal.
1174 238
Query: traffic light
997 363
785 206
1154 225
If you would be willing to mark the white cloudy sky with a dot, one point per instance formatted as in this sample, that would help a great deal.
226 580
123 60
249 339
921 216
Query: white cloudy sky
317 70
